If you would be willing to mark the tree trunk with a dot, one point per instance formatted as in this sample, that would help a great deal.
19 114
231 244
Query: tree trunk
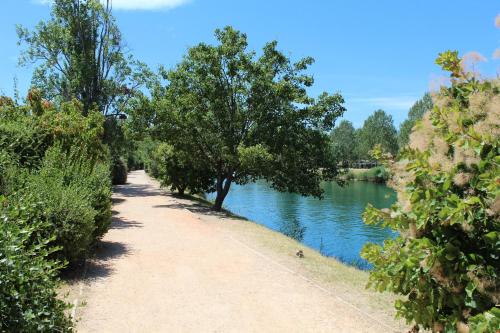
222 190
180 190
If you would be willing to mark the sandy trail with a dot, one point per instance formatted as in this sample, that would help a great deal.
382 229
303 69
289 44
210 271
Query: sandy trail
164 268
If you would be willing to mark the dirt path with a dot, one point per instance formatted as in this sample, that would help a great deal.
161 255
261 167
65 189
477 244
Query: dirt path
168 265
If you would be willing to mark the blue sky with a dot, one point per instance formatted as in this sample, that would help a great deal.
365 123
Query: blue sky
377 53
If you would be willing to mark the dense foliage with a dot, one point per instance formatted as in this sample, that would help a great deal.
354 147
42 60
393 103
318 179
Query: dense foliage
344 143
416 113
446 260
56 203
243 117
352 147
81 55
179 171
378 129
28 278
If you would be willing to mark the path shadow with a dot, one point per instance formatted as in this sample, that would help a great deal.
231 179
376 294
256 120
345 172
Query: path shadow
136 190
197 206
123 223
100 266
116 201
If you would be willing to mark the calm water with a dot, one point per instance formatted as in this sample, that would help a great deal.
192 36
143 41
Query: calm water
332 225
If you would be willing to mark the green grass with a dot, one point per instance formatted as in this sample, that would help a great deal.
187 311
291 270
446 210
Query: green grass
377 175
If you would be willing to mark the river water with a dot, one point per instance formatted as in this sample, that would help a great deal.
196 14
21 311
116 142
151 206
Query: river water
332 225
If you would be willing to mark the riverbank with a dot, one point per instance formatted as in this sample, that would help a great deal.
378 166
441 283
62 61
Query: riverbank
376 175
172 264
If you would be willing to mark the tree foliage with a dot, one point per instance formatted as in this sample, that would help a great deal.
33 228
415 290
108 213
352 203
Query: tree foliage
246 117
81 55
378 129
446 260
416 113
344 142
177 169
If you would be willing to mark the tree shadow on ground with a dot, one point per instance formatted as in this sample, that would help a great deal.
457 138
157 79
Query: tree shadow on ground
99 265
197 206
116 201
123 223
136 190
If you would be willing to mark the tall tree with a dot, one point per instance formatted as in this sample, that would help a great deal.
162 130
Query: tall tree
80 54
249 117
415 114
378 129
344 142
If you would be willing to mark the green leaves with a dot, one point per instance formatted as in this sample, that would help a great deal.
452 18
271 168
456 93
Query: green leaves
28 278
239 117
80 55
447 259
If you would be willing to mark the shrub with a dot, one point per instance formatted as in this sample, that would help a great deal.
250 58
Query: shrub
446 260
118 171
27 136
28 279
99 185
180 171
92 179
377 175
68 210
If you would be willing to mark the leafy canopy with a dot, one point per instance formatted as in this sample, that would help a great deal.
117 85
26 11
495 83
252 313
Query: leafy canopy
80 54
247 117
344 142
378 129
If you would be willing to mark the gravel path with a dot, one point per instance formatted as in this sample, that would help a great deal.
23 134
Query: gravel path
166 268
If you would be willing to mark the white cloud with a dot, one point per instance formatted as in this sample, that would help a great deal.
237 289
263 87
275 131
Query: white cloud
390 103
137 4
147 4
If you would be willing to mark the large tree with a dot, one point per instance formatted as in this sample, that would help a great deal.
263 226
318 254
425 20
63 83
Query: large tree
415 114
344 142
378 129
249 117
80 54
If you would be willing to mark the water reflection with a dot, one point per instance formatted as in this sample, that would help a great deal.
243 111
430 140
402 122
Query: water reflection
293 229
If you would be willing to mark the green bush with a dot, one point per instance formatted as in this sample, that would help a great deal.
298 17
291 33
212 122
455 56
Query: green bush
377 175
28 279
446 260
118 171
93 180
99 185
178 170
68 210
27 137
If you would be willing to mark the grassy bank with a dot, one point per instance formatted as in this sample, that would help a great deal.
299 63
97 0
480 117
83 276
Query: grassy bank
376 175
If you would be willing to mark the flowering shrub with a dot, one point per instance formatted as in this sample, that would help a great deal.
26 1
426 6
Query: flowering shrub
446 260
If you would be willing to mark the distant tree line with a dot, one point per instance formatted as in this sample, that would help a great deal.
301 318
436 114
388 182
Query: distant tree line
352 147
